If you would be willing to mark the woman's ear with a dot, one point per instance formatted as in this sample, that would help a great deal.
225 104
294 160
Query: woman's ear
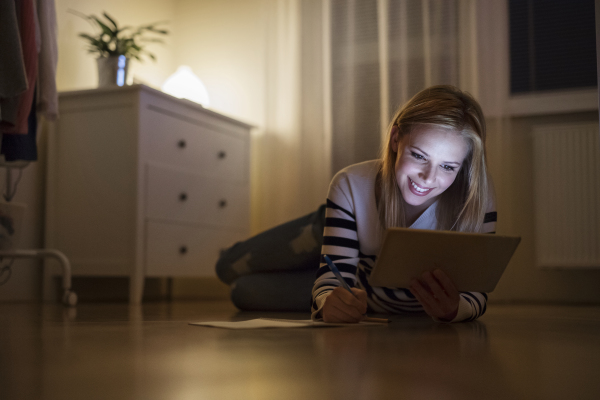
395 138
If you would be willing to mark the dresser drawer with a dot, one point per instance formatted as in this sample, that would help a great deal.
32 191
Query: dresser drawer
181 250
177 142
176 195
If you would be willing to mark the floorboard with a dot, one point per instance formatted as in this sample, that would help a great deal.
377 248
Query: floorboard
117 351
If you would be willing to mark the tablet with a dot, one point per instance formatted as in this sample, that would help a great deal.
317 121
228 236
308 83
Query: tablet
474 261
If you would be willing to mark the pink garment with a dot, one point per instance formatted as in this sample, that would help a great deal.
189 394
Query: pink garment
30 58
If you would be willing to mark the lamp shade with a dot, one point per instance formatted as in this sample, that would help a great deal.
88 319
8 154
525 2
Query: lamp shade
185 85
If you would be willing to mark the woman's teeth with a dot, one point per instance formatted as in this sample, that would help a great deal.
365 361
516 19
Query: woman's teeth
418 189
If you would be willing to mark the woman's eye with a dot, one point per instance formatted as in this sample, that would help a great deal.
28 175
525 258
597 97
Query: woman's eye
447 168
417 156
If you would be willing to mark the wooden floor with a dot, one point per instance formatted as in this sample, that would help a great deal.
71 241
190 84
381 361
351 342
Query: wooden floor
114 351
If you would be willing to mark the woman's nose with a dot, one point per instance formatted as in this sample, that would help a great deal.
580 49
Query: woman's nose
427 175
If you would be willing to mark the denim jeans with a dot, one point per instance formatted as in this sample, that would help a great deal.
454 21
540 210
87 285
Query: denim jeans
275 270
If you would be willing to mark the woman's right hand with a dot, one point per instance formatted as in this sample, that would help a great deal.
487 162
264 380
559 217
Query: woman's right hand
343 306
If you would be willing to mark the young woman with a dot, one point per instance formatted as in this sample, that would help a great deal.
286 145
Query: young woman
432 175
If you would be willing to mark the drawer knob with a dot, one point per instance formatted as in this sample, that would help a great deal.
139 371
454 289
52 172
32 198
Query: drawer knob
182 144
183 250
183 196
222 154
222 203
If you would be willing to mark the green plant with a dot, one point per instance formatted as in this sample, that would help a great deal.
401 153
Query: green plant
112 40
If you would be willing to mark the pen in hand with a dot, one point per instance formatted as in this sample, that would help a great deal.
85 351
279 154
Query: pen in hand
339 277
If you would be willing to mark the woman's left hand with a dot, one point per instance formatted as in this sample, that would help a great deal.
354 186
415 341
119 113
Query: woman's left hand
437 294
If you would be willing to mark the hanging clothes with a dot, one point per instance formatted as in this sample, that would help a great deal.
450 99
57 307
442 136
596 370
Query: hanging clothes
13 78
47 95
35 23
22 147
29 48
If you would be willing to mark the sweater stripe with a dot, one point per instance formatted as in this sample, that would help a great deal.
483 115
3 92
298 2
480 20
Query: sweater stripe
340 223
331 204
341 243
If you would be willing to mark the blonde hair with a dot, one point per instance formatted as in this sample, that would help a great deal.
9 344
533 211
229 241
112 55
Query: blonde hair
462 206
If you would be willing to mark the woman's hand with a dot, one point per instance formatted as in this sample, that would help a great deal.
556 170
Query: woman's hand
343 306
437 294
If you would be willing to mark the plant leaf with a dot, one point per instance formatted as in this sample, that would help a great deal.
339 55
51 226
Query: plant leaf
111 20
104 27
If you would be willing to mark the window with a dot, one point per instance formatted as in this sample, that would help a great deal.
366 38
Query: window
552 45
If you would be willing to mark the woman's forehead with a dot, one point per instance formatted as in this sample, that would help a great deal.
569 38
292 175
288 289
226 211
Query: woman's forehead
438 140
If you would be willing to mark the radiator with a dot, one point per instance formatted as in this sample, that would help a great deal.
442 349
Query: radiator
567 195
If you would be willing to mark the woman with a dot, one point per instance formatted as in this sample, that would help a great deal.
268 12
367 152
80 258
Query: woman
432 175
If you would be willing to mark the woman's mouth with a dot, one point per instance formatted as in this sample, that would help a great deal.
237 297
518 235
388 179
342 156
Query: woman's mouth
418 190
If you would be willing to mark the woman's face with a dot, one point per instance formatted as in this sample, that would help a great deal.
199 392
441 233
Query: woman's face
428 160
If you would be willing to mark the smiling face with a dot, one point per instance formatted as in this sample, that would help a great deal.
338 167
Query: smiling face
427 162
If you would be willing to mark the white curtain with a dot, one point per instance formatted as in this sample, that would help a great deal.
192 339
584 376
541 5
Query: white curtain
385 51
336 72
292 154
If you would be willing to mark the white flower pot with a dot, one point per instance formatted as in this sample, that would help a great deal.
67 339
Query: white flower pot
113 71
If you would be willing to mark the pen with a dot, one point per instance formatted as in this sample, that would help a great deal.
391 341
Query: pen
339 277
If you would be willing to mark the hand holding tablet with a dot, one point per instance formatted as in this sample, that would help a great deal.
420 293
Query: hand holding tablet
474 262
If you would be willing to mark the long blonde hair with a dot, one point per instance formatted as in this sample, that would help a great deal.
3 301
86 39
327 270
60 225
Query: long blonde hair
462 206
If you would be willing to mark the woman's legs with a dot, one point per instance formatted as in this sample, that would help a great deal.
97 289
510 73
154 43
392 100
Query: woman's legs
275 269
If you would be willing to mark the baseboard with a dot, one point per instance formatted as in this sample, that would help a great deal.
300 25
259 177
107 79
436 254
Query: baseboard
91 289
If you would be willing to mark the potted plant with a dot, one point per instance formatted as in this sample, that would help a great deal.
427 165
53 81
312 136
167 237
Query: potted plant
116 45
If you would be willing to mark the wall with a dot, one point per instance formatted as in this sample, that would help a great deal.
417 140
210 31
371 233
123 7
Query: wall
77 69
510 157
223 43
513 170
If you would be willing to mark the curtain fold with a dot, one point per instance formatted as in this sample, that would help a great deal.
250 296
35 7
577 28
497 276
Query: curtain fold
328 96
423 42
291 167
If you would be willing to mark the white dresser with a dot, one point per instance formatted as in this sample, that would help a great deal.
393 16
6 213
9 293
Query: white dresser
142 184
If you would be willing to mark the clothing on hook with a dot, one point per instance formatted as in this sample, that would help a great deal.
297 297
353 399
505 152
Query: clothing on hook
22 147
29 49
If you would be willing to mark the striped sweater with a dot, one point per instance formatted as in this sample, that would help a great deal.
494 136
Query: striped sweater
352 238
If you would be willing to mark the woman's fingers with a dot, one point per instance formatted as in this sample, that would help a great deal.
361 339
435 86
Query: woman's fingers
446 283
356 299
361 296
437 294
343 306
434 287
335 312
426 299
340 312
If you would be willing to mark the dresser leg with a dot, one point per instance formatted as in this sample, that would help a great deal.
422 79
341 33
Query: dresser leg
136 288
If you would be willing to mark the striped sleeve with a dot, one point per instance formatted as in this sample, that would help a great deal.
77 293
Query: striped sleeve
340 243
471 306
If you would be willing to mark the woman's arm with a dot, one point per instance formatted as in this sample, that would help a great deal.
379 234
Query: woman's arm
340 243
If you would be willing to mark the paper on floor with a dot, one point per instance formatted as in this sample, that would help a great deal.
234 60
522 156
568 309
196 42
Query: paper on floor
273 323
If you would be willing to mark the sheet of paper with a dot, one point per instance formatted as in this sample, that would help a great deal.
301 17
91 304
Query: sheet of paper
262 323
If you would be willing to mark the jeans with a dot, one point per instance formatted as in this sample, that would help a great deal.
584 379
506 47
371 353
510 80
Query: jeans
275 270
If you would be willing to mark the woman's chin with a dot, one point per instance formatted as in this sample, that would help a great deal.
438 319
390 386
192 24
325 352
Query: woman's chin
417 201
